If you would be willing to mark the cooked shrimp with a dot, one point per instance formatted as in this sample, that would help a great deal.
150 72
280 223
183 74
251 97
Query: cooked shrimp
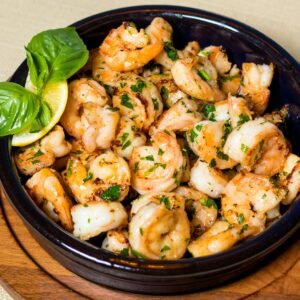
181 116
247 198
47 190
258 145
221 112
169 91
218 57
157 168
87 116
220 237
91 219
138 99
107 177
159 228
291 177
256 81
117 242
238 111
231 82
125 48
206 139
42 154
207 180
201 210
186 166
128 137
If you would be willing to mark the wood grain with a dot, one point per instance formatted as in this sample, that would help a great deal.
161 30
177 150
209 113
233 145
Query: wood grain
32 273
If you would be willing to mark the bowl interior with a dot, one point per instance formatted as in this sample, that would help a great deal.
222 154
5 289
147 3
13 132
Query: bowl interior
243 44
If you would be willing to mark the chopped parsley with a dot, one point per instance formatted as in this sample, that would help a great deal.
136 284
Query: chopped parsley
199 127
36 161
204 53
212 163
165 200
137 254
88 177
222 155
209 203
228 78
155 104
164 93
124 136
124 252
165 248
160 152
209 111
227 129
126 145
69 171
244 228
167 132
125 101
203 74
171 51
244 148
148 157
243 119
141 231
241 219
113 193
138 87
275 180
193 135
177 181
260 145
264 196
156 165
85 205
36 154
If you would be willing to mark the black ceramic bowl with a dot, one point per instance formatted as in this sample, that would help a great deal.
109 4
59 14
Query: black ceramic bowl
164 277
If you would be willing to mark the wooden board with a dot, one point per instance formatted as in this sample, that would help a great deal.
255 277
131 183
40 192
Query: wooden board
28 271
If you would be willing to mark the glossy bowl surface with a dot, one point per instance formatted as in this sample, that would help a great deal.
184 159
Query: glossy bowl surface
244 44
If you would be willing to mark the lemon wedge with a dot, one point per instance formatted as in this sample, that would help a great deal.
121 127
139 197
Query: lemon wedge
56 96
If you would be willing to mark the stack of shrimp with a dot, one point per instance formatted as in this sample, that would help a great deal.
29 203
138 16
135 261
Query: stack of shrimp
164 151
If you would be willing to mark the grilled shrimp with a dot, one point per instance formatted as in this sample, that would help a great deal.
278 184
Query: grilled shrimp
125 48
157 168
218 57
220 237
117 242
201 210
169 91
247 198
206 139
231 82
107 177
159 227
291 177
47 190
87 116
181 116
238 111
139 100
258 145
207 180
128 137
256 81
42 154
91 219
187 79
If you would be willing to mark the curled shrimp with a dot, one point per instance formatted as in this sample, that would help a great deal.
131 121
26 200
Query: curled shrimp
117 242
201 210
159 227
128 137
125 48
220 237
46 188
256 82
107 177
290 176
181 116
258 145
154 168
91 219
207 180
247 198
43 153
206 140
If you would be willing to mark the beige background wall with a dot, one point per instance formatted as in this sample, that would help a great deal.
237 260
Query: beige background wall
21 19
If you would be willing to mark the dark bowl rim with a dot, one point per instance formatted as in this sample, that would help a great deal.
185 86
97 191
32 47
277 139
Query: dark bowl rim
271 238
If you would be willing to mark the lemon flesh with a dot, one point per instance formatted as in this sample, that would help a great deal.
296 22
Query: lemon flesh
56 96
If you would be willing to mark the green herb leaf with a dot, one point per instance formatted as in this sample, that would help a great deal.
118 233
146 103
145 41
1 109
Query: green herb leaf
222 155
193 135
148 157
209 203
138 87
203 74
244 148
244 228
164 93
160 152
88 177
125 101
141 231
241 219
171 51
243 119
136 167
124 252
126 145
113 108
165 248
165 200
18 108
42 119
228 78
55 55
113 193
209 112
69 170
275 180
155 104
137 254
227 130
36 154
212 163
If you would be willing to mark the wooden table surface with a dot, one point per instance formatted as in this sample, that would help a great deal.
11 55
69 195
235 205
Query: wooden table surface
26 270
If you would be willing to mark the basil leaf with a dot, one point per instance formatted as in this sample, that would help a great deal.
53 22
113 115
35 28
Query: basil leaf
55 55
18 108
42 119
